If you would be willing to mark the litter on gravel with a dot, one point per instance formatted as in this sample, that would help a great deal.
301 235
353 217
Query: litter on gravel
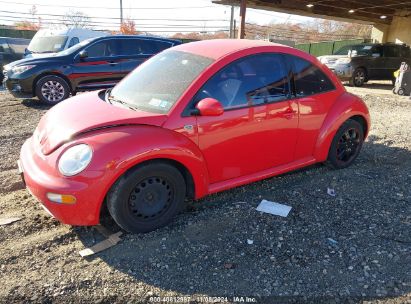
103 245
9 220
331 192
274 208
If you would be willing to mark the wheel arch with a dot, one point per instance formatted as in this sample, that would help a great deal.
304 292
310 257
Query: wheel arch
346 107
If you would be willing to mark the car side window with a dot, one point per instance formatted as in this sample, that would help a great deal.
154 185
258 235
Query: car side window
73 41
405 52
309 79
104 48
142 46
391 51
161 45
253 80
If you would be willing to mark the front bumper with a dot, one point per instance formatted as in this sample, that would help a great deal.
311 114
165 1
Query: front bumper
343 71
20 88
40 181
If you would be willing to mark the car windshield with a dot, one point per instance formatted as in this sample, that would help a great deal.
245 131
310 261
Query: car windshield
158 83
49 44
75 47
354 50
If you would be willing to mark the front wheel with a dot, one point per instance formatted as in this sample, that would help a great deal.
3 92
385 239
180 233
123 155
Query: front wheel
358 78
346 144
52 89
147 198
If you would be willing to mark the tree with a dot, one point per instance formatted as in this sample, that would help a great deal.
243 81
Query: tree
128 27
29 25
76 19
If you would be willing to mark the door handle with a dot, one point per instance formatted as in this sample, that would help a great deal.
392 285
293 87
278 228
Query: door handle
288 113
113 63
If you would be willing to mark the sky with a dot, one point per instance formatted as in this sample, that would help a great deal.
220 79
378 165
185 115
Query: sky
171 16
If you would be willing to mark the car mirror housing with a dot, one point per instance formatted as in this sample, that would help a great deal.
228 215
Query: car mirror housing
209 107
83 54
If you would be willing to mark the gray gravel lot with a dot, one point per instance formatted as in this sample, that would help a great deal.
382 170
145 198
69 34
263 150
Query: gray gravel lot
355 246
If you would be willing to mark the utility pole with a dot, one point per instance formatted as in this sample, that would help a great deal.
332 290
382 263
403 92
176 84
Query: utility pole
232 31
121 11
243 7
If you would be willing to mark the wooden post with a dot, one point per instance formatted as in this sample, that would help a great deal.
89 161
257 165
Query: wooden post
243 7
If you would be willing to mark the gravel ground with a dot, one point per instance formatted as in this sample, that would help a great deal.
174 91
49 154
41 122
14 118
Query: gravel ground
355 247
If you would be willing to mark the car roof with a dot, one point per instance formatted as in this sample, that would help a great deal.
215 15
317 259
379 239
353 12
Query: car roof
138 36
217 48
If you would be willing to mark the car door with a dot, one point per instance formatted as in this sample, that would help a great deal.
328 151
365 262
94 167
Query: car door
392 56
101 67
134 51
258 128
315 94
375 63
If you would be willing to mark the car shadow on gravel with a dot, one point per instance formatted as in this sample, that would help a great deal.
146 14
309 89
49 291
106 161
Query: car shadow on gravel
35 104
354 245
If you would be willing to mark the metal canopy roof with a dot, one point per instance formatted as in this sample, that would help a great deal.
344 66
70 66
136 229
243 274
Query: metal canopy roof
364 11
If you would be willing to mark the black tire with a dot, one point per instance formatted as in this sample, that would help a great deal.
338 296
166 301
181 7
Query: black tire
147 197
52 89
359 77
401 92
346 144
394 90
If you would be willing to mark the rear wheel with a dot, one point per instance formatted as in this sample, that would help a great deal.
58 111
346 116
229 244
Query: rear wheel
147 197
52 89
346 144
401 91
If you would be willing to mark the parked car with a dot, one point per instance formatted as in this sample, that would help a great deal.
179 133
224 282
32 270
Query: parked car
47 41
11 49
92 64
363 62
196 119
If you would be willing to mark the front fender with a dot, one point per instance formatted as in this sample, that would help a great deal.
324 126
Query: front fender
345 107
120 148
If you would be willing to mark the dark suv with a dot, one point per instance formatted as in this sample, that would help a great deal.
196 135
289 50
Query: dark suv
362 62
92 64
11 49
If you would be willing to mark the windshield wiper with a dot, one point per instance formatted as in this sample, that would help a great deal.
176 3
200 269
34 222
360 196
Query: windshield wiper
110 99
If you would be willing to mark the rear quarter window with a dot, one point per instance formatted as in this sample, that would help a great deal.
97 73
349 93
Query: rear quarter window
309 79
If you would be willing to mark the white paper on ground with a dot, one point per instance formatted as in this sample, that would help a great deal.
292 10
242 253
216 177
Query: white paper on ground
331 192
6 221
274 208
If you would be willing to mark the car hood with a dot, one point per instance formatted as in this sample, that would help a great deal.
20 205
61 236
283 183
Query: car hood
85 113
35 61
331 58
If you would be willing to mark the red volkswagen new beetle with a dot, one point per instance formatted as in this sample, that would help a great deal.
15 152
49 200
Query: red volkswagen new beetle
195 119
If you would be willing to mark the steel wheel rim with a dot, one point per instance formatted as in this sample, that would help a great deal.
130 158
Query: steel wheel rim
151 198
359 77
348 145
53 91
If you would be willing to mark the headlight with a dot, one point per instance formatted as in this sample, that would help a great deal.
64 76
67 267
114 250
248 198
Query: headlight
343 61
21 69
75 159
6 67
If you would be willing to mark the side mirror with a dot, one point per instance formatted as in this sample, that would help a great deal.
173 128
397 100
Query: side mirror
83 54
209 107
